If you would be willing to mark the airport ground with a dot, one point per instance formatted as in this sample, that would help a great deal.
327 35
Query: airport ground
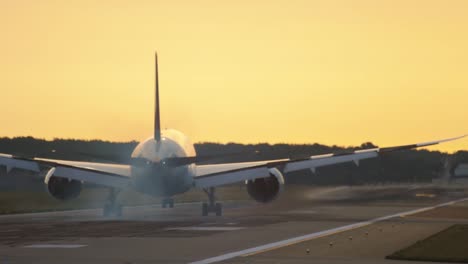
305 225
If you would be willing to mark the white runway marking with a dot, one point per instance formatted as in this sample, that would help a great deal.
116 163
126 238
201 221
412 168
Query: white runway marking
205 228
295 240
301 212
54 246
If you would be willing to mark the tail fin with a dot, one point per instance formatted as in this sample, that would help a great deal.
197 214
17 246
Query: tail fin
157 123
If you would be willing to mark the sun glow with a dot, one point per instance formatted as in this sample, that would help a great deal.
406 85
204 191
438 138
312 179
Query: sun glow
333 72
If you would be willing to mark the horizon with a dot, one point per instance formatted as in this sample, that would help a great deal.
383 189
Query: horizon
225 143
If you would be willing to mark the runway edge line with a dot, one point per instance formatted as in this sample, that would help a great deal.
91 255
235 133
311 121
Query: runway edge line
303 238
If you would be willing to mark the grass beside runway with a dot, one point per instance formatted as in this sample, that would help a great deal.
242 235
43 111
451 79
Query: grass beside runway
12 202
21 201
449 245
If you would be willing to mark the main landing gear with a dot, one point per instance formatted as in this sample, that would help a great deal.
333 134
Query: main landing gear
112 208
211 206
167 202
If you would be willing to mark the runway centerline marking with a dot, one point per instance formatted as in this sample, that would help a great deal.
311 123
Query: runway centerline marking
55 246
315 235
205 228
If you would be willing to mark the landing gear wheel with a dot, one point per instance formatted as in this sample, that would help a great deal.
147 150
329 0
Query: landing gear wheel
219 209
106 211
211 206
204 209
112 208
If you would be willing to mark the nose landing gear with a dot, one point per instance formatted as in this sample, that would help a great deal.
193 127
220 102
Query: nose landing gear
212 206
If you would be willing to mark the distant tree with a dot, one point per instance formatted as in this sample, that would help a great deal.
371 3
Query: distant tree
368 145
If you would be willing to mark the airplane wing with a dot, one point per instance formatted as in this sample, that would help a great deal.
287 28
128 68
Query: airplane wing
223 174
111 175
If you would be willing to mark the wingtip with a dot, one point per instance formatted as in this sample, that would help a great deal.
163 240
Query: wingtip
425 144
461 136
455 138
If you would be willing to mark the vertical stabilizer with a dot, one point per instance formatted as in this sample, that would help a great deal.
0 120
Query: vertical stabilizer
157 122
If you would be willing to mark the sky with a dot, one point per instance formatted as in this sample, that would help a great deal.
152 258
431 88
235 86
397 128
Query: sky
333 72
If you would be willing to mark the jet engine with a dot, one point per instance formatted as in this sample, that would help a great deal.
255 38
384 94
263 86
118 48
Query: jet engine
63 188
265 190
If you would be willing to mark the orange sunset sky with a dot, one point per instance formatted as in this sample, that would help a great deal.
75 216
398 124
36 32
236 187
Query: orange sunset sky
333 72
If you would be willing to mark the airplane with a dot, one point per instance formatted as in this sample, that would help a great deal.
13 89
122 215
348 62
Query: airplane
165 165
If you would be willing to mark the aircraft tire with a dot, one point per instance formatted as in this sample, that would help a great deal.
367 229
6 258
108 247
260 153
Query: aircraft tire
204 209
219 209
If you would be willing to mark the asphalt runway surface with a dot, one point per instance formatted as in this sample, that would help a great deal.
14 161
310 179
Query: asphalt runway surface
320 225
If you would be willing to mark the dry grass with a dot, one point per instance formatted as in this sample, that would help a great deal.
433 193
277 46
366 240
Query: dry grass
450 245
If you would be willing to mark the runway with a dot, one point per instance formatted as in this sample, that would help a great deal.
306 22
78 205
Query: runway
333 225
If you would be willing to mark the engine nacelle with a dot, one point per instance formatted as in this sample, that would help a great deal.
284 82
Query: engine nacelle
265 190
63 188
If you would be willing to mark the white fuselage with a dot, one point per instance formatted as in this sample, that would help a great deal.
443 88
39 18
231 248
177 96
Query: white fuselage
156 178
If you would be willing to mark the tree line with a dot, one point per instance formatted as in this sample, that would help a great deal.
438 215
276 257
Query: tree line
402 166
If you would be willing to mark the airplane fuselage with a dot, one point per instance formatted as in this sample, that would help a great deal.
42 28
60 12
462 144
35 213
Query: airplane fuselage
154 177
